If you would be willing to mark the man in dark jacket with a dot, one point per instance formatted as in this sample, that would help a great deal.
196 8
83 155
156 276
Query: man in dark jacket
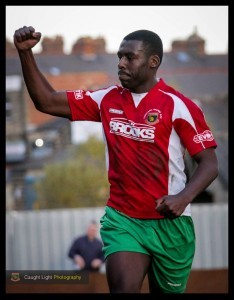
86 250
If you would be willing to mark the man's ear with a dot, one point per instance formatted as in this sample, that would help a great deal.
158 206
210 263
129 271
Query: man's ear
154 61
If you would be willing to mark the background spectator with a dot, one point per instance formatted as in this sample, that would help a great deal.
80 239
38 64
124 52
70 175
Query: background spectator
86 250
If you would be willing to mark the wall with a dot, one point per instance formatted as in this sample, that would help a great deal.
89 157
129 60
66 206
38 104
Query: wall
39 240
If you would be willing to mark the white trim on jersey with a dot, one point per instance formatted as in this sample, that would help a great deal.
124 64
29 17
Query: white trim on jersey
138 97
181 107
98 95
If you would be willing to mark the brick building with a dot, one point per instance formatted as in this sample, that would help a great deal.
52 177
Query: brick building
187 67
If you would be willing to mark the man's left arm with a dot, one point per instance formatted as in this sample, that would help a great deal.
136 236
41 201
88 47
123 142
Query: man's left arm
172 206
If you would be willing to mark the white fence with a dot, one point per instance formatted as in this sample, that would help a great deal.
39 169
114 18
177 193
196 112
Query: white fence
39 240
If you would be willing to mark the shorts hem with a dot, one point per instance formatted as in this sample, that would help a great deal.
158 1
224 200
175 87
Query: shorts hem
125 250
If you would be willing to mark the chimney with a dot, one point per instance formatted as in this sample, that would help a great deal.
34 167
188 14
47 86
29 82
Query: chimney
89 47
194 45
52 46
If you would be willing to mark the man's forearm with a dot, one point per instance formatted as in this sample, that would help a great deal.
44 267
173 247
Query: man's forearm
203 176
38 87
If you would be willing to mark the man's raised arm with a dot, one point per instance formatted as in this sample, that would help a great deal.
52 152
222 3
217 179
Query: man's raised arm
43 95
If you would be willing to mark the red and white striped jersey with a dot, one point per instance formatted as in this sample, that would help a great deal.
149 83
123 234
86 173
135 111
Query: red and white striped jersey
145 145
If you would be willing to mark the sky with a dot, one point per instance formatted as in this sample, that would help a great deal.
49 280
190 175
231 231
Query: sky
114 22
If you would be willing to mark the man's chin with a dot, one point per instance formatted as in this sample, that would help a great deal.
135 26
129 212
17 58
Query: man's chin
125 84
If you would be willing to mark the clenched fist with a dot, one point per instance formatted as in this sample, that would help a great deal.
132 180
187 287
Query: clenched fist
26 38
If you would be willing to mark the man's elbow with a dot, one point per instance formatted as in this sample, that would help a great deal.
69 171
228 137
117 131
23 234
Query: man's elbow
40 107
43 108
215 171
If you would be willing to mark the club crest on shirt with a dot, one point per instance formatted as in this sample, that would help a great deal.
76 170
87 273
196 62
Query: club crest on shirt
153 116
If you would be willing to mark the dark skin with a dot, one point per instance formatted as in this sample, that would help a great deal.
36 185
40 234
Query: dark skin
137 72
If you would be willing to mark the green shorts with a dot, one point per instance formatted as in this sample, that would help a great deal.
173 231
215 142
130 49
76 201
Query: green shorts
170 243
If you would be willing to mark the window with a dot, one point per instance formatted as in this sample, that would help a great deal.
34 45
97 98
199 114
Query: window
9 108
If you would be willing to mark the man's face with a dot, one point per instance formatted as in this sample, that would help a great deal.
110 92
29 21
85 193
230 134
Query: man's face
134 69
92 231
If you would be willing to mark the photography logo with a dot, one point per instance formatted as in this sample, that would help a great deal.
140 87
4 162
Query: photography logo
46 277
15 277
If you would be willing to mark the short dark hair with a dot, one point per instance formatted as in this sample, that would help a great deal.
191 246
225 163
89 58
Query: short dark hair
150 39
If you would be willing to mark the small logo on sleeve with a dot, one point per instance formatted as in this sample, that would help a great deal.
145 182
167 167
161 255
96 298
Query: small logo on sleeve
78 94
205 136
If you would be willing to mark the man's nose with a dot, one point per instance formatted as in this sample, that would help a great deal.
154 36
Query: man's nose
122 63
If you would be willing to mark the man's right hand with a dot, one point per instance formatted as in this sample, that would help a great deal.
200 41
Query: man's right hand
26 38
79 261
